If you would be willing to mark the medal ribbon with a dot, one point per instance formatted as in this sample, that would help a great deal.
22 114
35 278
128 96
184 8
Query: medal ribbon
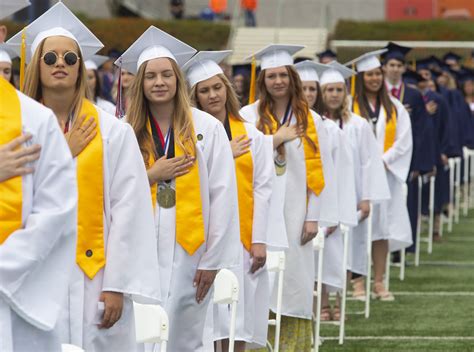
189 216
314 165
244 174
390 125
11 198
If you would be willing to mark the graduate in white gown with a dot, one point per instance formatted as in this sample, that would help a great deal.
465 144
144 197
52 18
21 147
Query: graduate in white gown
306 193
192 176
6 68
38 204
94 83
212 92
115 256
335 108
392 128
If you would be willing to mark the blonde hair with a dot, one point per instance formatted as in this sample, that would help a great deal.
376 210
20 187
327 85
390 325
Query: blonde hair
343 112
298 103
33 87
232 104
137 115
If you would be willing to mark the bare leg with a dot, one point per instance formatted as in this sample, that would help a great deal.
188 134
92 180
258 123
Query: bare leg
379 257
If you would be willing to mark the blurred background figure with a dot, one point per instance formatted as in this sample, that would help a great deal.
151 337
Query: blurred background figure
177 9
249 7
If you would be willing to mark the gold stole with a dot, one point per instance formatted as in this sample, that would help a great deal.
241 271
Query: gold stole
189 217
390 126
90 252
11 197
244 174
314 164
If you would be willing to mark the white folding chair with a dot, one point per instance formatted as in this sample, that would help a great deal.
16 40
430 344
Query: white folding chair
318 245
431 214
342 326
65 347
276 264
457 185
369 263
471 178
151 324
418 224
451 164
226 291
466 181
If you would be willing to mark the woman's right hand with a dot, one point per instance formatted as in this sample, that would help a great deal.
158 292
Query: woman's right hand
14 159
286 134
240 145
364 207
166 169
81 135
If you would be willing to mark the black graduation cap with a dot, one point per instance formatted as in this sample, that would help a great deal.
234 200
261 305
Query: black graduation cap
451 56
396 52
244 70
428 63
435 74
301 58
466 75
412 77
326 53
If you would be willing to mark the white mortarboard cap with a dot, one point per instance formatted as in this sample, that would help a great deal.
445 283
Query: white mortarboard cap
310 70
95 62
153 44
367 61
337 73
276 55
57 21
6 53
9 7
204 65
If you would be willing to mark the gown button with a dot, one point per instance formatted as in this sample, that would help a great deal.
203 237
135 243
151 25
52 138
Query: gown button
89 253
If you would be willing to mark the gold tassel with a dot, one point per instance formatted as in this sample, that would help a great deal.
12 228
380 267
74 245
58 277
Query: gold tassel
253 80
353 82
22 59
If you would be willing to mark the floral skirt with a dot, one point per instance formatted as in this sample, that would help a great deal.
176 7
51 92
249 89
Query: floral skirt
295 336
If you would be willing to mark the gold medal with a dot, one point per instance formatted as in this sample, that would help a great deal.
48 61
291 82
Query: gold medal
166 196
280 166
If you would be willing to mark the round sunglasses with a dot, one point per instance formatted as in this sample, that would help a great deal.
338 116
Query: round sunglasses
50 58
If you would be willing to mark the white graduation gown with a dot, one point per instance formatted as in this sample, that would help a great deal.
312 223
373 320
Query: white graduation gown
130 241
222 237
293 212
333 265
371 184
105 105
253 305
390 218
36 260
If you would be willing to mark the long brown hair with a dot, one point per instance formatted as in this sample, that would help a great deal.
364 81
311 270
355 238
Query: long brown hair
298 103
137 115
344 111
232 104
33 86
382 96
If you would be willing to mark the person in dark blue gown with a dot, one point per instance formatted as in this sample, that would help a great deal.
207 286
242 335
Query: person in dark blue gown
423 158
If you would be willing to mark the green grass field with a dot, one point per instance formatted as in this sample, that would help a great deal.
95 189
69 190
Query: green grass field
434 310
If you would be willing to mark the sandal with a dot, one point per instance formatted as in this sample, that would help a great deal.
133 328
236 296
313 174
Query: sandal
381 293
358 288
336 314
326 313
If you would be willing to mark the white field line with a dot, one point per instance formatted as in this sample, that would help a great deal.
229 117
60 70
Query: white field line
440 293
406 338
